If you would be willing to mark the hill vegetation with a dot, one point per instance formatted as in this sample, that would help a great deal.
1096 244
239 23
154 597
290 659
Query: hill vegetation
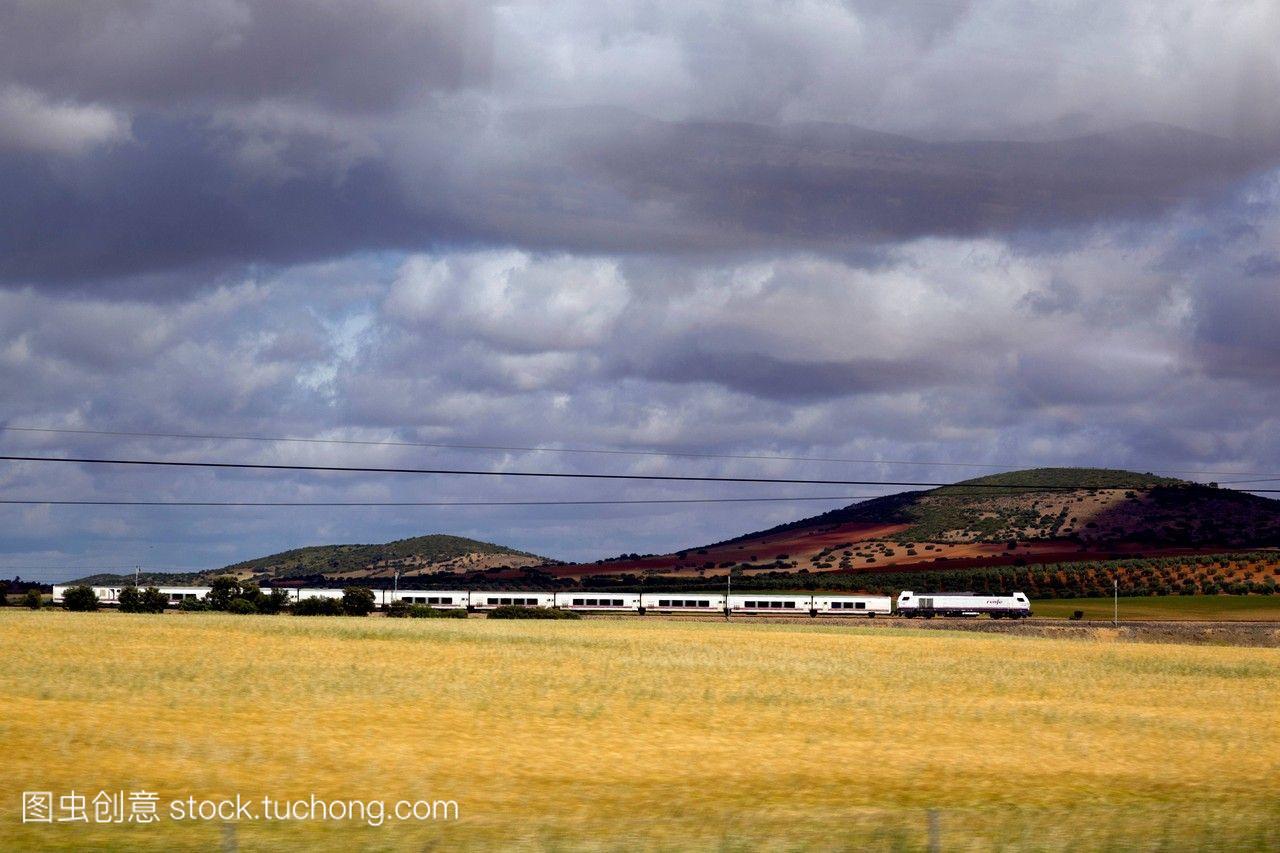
420 555
1084 505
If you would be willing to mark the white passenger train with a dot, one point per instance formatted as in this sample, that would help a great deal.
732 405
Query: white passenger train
742 604
929 605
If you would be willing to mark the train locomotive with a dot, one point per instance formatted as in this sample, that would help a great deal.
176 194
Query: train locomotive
928 605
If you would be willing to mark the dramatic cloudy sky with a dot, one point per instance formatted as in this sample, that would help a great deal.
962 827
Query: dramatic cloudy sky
968 232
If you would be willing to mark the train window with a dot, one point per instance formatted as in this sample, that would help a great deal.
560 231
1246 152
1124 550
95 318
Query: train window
704 603
578 602
861 605
791 604
664 603
493 601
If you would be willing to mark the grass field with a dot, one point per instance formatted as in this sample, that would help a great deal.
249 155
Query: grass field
1224 607
623 734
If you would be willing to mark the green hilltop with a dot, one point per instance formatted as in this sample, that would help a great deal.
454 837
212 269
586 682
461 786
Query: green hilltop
416 552
334 559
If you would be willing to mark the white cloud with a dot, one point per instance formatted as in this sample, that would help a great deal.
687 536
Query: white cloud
512 300
30 121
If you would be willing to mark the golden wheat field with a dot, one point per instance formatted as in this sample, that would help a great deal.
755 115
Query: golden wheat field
638 734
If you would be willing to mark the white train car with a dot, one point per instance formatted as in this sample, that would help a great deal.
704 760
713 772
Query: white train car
682 602
60 591
599 602
179 594
870 606
314 592
106 594
758 604
490 600
110 595
928 605
441 599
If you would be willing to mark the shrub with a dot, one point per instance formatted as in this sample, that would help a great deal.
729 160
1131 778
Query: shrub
130 600
318 607
78 598
242 607
153 600
512 611
422 611
192 605
222 591
357 601
149 600
397 610
272 602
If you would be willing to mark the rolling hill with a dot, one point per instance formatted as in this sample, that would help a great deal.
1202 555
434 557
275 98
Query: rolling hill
420 555
1037 515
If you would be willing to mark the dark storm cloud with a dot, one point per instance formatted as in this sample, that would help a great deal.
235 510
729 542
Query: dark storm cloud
174 198
767 376
179 194
825 186
354 56
150 137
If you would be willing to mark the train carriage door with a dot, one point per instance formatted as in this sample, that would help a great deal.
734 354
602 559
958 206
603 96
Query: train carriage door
925 605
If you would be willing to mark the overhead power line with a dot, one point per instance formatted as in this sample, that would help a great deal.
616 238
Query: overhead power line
112 502
762 457
681 478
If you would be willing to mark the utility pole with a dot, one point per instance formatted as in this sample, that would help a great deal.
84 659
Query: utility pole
728 576
1115 613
